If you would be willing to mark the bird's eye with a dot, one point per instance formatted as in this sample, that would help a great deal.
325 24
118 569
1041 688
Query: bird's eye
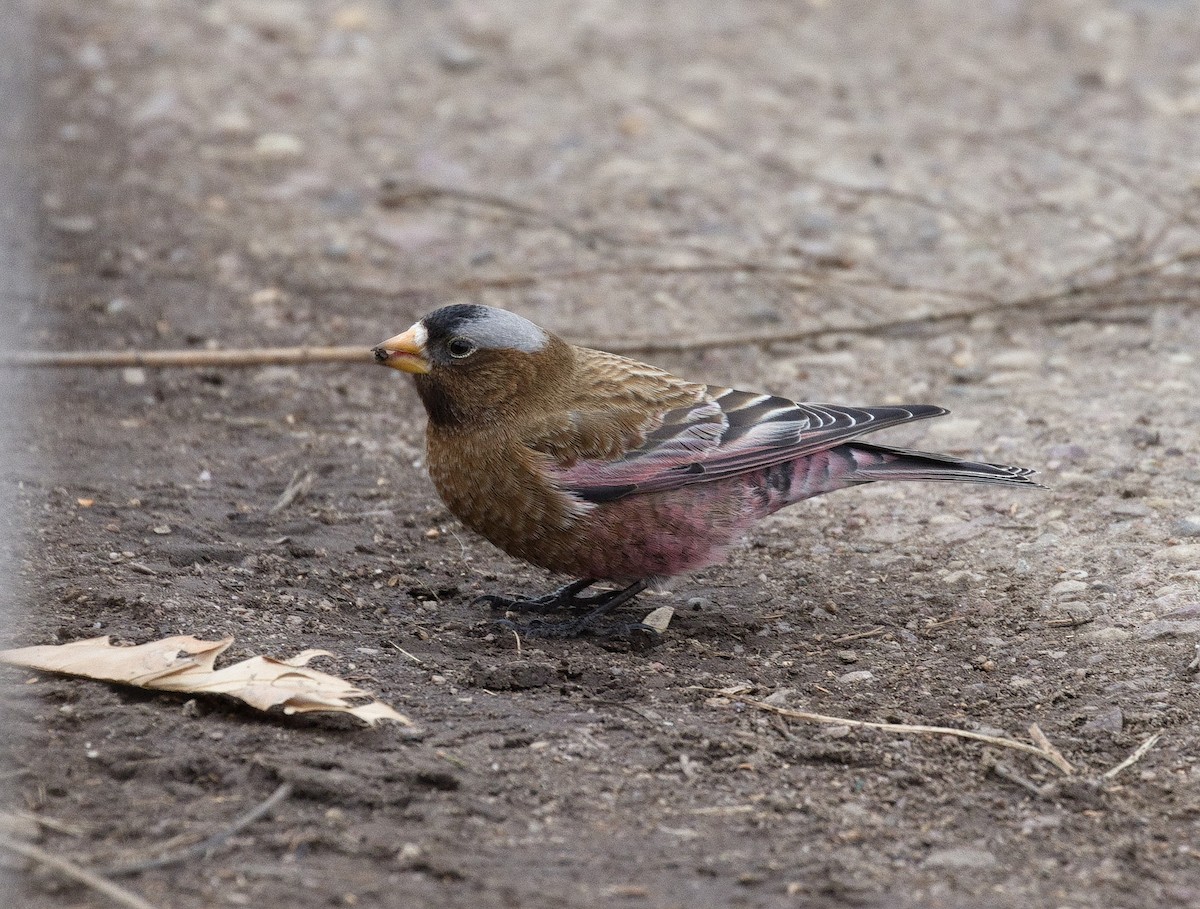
460 347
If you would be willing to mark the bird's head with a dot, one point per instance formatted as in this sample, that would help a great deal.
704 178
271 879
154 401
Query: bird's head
474 364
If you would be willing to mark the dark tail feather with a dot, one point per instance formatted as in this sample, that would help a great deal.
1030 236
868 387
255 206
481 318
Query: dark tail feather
878 462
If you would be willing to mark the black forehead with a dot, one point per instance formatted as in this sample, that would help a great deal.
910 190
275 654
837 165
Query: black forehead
450 319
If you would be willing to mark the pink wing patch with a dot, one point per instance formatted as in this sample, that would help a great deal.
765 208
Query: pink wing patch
726 434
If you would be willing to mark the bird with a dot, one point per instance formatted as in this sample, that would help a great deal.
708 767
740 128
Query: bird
607 470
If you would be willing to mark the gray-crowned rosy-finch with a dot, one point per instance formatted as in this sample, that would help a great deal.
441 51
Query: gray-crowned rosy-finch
598 467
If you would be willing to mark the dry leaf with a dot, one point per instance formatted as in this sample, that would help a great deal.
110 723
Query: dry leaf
185 664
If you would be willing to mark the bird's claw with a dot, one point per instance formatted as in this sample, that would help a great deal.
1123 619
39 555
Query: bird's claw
566 597
638 635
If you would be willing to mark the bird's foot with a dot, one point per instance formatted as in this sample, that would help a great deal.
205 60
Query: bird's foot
565 597
598 605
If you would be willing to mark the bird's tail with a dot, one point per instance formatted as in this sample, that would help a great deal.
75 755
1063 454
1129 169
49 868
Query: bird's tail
879 462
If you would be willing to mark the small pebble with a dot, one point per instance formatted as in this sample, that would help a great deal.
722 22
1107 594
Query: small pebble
1188 527
74 224
859 675
847 656
1164 628
1016 360
457 57
1187 554
1068 453
1065 587
1110 635
278 146
779 698
965 857
659 618
1109 720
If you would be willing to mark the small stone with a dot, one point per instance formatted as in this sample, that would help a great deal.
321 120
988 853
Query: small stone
960 579
859 675
779 698
659 618
457 57
964 857
74 224
114 306
1164 628
1110 635
161 529
1185 554
847 656
1068 453
91 57
351 18
1188 527
233 122
1016 360
1079 612
1065 587
278 146
134 375
1110 720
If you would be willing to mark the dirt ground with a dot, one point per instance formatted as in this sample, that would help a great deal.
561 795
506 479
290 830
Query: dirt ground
992 207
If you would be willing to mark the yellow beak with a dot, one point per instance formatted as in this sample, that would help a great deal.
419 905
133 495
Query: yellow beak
405 352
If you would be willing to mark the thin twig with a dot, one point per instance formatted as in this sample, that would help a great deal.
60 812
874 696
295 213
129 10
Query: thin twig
1002 770
299 486
257 356
208 844
1088 294
1137 755
1052 756
413 657
396 193
114 892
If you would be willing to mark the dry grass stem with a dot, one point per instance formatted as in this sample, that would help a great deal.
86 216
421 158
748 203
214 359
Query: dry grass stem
1051 755
69 869
1137 755
1055 756
1113 289
210 843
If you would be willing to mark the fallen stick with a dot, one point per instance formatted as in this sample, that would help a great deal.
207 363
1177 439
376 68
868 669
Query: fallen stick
286 356
1056 757
1052 755
258 356
1137 755
209 843
69 869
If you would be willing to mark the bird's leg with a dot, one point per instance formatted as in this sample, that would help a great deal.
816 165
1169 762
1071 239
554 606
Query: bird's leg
565 597
602 605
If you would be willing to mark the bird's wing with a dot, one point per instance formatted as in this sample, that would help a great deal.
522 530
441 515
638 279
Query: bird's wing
723 434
